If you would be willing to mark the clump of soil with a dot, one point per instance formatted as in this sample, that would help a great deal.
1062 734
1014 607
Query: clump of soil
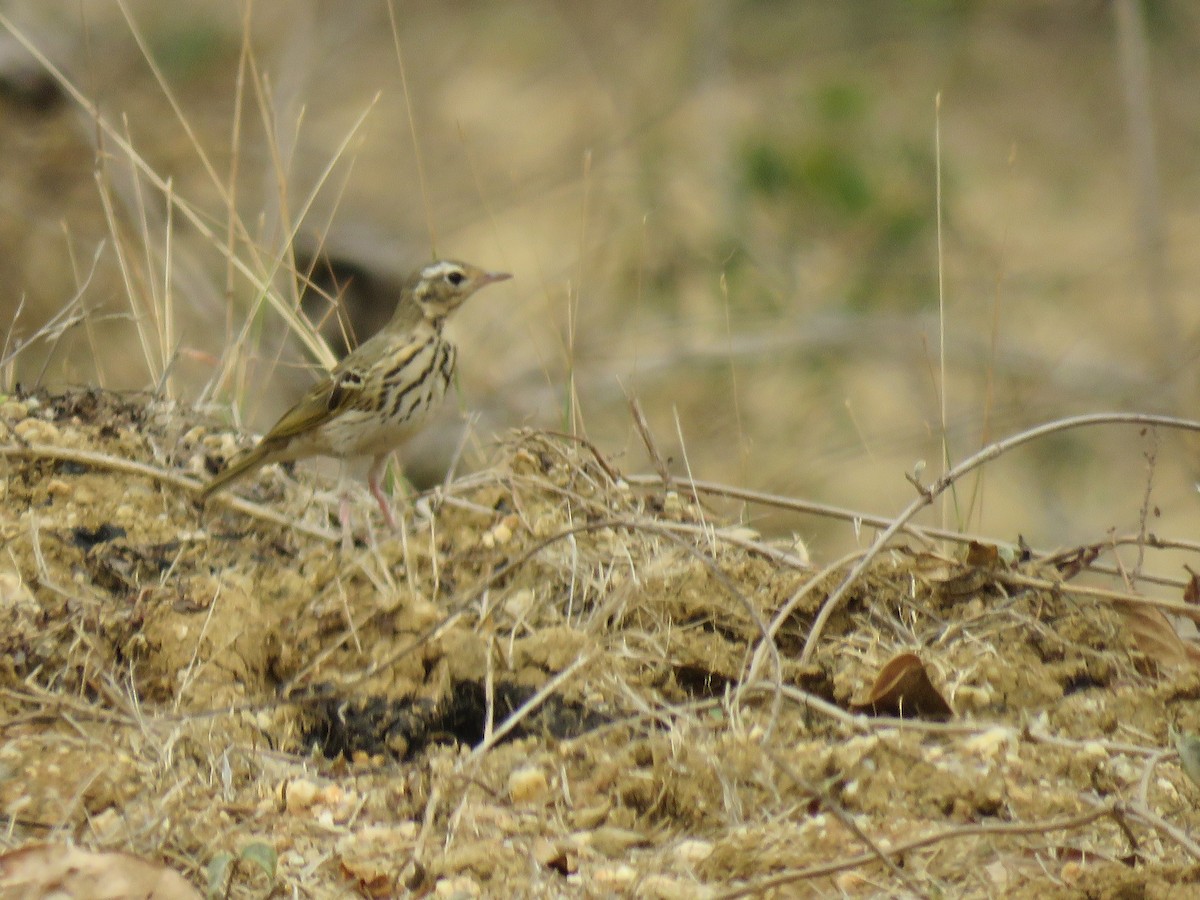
553 681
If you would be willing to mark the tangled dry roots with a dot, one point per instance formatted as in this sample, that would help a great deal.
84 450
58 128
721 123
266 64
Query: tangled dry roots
624 660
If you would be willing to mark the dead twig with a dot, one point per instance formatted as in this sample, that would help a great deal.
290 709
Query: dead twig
1178 607
1016 829
163 476
986 455
843 817
529 706
647 436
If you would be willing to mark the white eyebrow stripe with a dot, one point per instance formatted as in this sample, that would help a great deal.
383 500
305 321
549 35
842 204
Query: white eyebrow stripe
438 269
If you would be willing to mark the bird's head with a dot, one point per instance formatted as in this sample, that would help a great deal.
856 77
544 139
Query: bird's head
441 287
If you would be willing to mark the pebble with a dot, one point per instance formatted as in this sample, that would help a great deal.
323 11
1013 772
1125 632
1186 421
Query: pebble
694 851
299 794
528 785
614 878
13 410
36 431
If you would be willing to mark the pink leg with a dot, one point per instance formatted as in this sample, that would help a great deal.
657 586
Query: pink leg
375 482
344 518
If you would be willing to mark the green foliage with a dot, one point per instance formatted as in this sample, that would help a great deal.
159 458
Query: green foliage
218 875
224 867
833 174
841 102
187 51
262 855
767 171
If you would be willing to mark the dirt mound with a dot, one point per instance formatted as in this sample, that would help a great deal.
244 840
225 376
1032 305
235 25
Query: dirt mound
553 681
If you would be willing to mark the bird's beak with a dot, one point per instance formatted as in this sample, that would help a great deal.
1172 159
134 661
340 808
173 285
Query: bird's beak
493 277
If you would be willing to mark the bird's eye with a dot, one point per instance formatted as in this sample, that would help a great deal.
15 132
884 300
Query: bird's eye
456 278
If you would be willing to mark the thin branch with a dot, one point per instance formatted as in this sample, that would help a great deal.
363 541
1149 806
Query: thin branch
924 532
528 707
163 476
986 455
1070 823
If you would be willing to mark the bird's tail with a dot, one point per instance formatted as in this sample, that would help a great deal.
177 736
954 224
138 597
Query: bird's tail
247 462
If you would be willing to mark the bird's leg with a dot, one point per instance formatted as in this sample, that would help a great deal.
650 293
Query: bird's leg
375 481
344 518
344 509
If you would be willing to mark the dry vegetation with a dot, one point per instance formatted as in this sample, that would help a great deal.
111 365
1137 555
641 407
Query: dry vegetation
567 676
554 681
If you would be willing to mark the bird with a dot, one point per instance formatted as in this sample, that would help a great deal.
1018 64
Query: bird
378 395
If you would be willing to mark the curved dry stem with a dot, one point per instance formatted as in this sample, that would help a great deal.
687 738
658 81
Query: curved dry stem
1153 820
986 455
788 608
847 821
1178 607
1016 829
163 476
528 707
924 532
456 612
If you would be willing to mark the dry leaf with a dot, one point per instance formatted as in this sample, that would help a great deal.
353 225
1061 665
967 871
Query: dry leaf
985 555
72 873
1154 635
556 856
903 689
370 881
1070 564
959 581
1191 591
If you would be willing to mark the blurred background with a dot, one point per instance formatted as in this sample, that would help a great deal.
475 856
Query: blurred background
729 209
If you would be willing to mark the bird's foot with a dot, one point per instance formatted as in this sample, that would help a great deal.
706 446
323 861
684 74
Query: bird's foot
385 505
344 519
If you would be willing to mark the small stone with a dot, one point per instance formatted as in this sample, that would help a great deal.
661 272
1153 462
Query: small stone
614 878
56 487
528 785
694 851
107 826
519 603
666 887
613 842
464 887
988 744
500 533
14 593
330 795
849 882
36 431
13 410
299 794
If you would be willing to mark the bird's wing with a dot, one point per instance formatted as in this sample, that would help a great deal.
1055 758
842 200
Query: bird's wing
340 389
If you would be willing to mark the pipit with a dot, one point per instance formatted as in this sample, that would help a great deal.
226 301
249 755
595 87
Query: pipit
379 394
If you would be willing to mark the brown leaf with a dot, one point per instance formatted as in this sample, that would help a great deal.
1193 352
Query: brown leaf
64 872
557 856
1154 635
959 581
985 555
1191 591
903 689
370 883
1069 564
